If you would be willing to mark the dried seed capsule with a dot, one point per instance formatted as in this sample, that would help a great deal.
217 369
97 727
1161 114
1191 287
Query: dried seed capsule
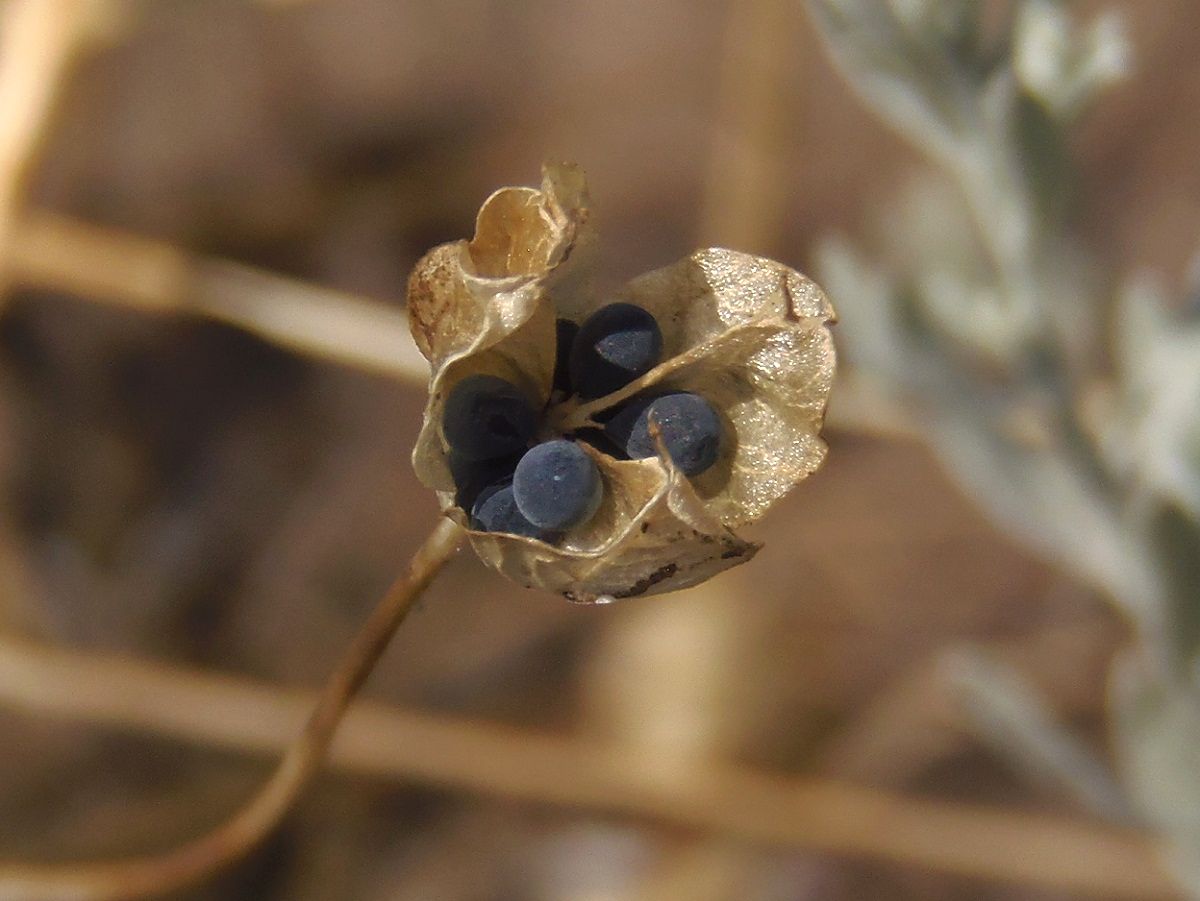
487 417
615 345
688 425
749 335
495 510
557 485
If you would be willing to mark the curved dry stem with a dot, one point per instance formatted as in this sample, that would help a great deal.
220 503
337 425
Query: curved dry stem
156 875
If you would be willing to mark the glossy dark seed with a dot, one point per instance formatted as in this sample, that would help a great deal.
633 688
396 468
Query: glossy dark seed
619 421
556 485
471 477
688 425
486 417
615 345
495 510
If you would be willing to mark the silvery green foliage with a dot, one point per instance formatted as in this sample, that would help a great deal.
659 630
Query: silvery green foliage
1062 63
1064 397
1007 711
1156 723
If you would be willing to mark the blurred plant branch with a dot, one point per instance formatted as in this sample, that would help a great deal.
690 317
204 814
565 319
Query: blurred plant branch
1002 705
1065 397
40 40
386 742
743 205
56 253
52 252
175 869
924 717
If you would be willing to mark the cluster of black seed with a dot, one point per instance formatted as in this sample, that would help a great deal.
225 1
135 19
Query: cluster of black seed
510 483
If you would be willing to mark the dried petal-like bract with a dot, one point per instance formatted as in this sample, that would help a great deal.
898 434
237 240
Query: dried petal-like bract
749 335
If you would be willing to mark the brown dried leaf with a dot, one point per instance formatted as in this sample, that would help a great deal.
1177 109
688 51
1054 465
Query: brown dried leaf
748 334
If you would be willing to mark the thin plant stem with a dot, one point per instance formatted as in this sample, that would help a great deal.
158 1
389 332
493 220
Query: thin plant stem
156 875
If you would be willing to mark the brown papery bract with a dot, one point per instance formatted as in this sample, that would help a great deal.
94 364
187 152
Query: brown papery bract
748 334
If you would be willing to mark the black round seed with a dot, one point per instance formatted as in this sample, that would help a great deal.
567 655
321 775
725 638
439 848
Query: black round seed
487 417
495 510
615 345
471 477
556 485
618 422
687 424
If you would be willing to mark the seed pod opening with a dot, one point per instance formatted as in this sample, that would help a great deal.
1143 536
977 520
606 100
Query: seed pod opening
748 335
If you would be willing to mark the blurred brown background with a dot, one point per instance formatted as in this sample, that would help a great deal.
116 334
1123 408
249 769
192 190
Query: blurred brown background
180 491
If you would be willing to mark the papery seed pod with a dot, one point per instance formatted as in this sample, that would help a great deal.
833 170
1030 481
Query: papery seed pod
747 334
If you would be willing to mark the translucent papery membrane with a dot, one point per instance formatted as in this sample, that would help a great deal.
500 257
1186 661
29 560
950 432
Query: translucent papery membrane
485 305
752 338
771 413
524 357
650 535
465 296
704 295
